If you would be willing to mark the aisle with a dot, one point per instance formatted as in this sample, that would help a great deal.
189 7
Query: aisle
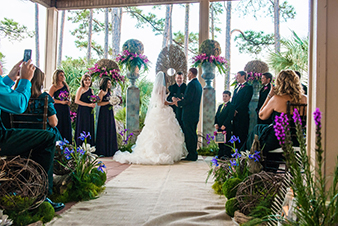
153 195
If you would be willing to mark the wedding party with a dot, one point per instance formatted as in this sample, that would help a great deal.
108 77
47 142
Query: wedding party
181 113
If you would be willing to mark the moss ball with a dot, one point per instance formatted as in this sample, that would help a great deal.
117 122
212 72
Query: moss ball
133 46
108 64
46 212
231 206
217 186
210 47
256 66
230 187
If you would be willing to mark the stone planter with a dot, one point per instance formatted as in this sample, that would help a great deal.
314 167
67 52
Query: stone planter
208 74
133 74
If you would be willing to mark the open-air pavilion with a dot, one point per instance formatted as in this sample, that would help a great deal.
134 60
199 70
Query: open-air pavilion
323 53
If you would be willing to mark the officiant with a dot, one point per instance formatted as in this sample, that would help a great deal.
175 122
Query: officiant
177 90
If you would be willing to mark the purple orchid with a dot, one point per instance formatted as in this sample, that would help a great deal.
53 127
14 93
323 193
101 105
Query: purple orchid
296 117
101 167
214 161
84 136
234 139
317 115
236 154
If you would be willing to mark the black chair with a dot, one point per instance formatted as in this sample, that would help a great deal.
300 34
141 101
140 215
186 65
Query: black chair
270 162
31 117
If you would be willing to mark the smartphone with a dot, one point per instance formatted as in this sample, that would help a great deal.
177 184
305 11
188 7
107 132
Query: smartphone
27 55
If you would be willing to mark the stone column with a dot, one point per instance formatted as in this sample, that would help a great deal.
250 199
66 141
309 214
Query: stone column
323 80
133 109
51 44
203 35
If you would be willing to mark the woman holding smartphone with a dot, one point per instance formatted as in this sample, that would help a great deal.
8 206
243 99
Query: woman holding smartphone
85 114
60 93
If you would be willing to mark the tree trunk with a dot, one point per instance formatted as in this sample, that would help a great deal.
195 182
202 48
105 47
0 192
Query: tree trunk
186 31
62 28
212 21
277 24
106 33
116 30
37 43
228 45
167 36
90 34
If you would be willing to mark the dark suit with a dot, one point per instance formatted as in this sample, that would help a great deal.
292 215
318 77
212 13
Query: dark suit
224 117
178 92
263 93
241 99
190 105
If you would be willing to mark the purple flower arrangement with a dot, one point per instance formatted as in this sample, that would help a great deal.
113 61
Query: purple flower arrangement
94 98
112 73
63 95
129 59
219 61
254 77
72 116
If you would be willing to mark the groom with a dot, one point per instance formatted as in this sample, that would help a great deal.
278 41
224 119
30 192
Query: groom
190 105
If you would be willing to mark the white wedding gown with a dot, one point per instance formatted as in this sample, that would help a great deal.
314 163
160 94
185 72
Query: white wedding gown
161 140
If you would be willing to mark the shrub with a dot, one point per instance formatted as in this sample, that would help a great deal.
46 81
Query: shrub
231 206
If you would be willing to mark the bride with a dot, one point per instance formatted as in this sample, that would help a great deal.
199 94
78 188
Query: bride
161 140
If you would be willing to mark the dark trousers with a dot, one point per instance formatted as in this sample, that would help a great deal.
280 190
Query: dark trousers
21 141
190 136
241 128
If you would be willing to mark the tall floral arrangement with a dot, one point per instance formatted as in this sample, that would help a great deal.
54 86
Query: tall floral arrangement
132 56
210 51
315 203
106 68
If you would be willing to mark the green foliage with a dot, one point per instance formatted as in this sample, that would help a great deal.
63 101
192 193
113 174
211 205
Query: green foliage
16 202
253 222
133 46
45 213
13 30
193 40
210 147
265 8
293 55
253 42
231 206
263 209
74 69
229 187
210 47
217 186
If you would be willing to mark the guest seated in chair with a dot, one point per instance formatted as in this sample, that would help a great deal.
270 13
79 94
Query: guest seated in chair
37 106
288 88
40 143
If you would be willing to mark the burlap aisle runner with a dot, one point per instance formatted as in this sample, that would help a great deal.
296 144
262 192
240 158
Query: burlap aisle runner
153 195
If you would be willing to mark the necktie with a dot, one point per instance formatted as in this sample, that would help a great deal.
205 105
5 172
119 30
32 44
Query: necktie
224 105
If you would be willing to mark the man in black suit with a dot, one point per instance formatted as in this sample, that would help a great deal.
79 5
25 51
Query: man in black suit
190 105
177 90
223 122
241 99
263 93
304 86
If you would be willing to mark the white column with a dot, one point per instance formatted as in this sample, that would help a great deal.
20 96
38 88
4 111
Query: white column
51 44
323 80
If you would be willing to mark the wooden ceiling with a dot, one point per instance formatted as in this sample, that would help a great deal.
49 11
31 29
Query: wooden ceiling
87 4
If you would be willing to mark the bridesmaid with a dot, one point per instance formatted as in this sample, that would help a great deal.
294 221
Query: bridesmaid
106 141
85 117
61 105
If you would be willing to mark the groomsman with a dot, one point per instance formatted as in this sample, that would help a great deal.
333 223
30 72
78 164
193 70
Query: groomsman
177 90
304 86
241 99
263 93
223 122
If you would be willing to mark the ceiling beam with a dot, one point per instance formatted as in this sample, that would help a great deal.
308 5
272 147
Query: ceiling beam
89 4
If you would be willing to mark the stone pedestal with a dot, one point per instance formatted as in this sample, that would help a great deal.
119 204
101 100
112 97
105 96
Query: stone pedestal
133 109
253 105
208 110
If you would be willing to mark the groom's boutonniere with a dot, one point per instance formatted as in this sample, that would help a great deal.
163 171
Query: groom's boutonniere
265 88
243 85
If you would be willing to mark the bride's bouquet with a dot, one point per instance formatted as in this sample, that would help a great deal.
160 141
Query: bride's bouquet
114 100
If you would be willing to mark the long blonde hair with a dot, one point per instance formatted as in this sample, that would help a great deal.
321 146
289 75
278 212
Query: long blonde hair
287 83
55 77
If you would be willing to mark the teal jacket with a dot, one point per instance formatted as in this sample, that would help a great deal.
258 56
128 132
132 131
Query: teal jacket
14 101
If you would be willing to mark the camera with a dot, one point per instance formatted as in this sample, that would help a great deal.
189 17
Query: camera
27 55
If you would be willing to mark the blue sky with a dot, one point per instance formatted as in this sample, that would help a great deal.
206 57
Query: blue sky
23 12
